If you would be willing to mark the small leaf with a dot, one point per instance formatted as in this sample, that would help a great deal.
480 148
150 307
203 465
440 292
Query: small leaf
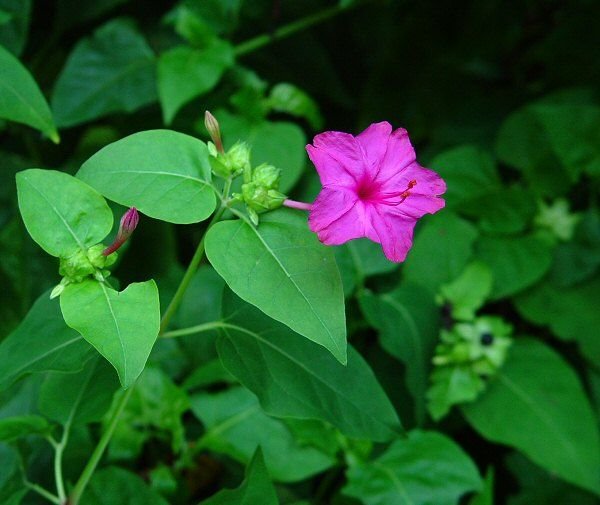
185 73
112 485
515 262
531 405
121 326
285 97
441 250
296 378
424 469
112 71
81 397
282 260
164 174
21 99
62 214
236 426
408 322
256 488
21 426
41 343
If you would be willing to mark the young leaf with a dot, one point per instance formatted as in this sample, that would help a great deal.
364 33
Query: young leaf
522 408
41 343
236 426
445 232
115 485
122 326
61 213
112 71
79 398
21 426
185 73
515 262
256 488
424 469
285 97
281 268
408 321
164 174
296 378
20 98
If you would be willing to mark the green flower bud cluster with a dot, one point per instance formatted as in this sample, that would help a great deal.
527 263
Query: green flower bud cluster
83 264
557 219
231 163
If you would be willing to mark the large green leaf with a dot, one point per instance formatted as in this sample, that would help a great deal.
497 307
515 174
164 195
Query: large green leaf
112 71
79 398
20 98
408 323
282 268
515 262
536 404
61 213
185 73
256 488
121 326
41 343
236 426
296 378
164 174
425 469
12 428
277 143
572 313
441 250
114 485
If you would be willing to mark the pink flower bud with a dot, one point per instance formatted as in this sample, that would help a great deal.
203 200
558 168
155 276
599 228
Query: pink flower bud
129 221
212 126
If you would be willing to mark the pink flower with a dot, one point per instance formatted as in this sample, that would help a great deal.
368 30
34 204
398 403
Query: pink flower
372 187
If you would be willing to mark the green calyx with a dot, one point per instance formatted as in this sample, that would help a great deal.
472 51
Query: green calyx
231 163
83 264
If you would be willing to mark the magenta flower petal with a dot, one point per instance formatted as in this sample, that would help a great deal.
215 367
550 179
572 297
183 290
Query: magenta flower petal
372 187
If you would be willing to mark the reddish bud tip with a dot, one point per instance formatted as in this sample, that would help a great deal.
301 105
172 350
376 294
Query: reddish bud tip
129 221
212 126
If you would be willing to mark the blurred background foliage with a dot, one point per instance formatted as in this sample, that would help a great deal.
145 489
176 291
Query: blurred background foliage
501 98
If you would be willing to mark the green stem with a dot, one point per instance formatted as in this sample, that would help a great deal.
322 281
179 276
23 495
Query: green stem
43 492
285 31
92 463
213 325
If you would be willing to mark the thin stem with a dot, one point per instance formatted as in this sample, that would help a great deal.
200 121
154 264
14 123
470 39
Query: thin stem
35 487
293 204
193 329
285 31
99 450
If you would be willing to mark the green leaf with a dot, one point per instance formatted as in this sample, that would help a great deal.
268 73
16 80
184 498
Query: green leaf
122 326
22 426
424 469
112 485
485 497
185 73
41 343
468 292
515 262
155 407
572 313
279 143
283 260
452 385
441 250
21 99
162 173
236 426
78 398
469 172
13 34
61 213
296 378
285 97
408 321
531 405
112 71
256 488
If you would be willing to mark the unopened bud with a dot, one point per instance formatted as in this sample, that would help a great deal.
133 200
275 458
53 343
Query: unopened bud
129 221
266 176
212 126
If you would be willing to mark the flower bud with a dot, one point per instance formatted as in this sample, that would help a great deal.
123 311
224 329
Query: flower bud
212 126
239 158
266 176
129 222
